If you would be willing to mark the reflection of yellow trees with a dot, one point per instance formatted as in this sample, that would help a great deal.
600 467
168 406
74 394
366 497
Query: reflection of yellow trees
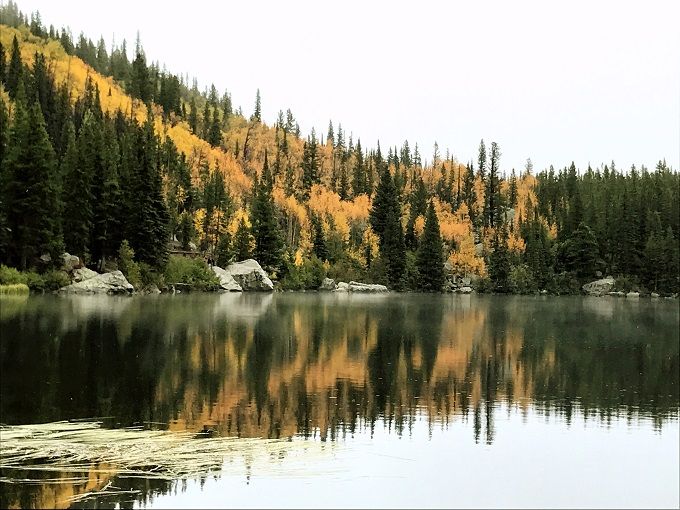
319 378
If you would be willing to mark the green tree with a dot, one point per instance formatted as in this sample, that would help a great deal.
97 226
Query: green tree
257 114
430 260
319 240
579 253
243 242
15 70
32 192
265 228
499 262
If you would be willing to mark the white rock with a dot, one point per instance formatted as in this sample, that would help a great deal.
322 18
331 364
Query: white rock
328 284
227 281
599 287
465 290
633 295
366 287
82 274
70 262
342 287
250 276
655 295
107 283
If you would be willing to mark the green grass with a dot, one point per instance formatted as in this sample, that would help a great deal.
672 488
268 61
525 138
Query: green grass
14 289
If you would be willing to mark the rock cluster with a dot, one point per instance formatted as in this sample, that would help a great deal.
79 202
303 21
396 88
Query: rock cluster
599 287
106 283
247 275
329 284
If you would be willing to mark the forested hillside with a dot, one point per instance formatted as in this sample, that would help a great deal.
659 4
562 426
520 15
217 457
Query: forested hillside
109 157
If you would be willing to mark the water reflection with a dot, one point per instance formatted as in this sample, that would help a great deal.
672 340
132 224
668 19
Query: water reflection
329 366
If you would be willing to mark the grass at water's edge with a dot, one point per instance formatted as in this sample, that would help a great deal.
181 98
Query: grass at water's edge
14 289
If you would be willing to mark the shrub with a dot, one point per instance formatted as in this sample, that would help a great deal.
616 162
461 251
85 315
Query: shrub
522 280
11 276
150 276
193 272
307 276
625 284
35 281
483 285
564 283
127 264
55 280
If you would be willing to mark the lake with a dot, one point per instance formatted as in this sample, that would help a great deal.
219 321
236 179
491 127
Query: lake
327 400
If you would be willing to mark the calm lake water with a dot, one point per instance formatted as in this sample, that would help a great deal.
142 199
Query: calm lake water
358 401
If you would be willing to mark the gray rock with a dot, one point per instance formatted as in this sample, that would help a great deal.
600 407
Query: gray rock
655 295
70 262
45 258
227 281
152 289
633 295
342 287
250 276
366 287
328 284
192 246
617 294
82 274
465 290
599 287
107 283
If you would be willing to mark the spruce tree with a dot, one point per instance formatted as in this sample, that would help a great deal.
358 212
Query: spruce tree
79 192
499 262
265 228
3 64
243 242
15 70
319 247
32 188
430 260
257 114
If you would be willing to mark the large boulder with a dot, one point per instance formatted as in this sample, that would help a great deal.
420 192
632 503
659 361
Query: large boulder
599 287
227 281
360 287
250 276
70 262
342 287
82 274
328 284
465 290
366 287
107 283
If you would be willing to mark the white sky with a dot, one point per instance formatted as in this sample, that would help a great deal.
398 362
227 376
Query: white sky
555 81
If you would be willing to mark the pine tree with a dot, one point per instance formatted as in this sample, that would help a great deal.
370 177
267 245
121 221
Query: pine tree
430 261
359 172
78 168
243 242
257 114
319 247
265 228
140 81
3 64
193 116
310 165
32 201
106 192
385 220
499 262
15 70
215 131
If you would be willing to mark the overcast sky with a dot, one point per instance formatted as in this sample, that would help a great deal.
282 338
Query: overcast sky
554 81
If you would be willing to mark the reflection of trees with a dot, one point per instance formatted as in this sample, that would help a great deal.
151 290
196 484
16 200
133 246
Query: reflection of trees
274 366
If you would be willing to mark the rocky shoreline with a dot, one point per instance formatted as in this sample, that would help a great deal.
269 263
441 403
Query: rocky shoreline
249 276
